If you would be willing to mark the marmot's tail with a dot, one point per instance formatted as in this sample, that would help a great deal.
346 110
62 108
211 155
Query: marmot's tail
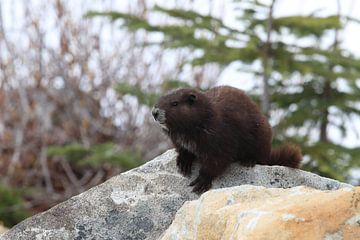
288 155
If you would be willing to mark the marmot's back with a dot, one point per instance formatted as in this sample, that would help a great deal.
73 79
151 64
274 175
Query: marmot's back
231 97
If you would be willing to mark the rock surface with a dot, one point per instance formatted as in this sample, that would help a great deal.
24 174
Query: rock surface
252 212
141 203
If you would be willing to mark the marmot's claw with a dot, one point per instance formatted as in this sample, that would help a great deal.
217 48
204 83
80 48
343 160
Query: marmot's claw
201 184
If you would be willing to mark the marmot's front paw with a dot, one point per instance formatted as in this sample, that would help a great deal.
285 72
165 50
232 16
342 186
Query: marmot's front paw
184 166
201 184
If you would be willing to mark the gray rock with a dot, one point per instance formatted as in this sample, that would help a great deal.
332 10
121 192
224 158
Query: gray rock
141 203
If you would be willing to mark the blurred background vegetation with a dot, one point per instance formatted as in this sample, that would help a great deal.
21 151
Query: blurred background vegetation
77 82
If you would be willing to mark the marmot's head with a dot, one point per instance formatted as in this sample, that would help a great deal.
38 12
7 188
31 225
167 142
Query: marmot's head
182 110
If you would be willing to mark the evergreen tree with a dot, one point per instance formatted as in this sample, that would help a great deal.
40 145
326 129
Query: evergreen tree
97 155
12 206
301 79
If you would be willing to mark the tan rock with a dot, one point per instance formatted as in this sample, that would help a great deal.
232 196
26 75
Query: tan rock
250 212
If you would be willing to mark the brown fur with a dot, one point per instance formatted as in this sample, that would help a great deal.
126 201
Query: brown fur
288 155
217 127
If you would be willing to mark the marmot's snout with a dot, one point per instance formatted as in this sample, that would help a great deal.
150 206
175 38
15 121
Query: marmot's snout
155 112
159 115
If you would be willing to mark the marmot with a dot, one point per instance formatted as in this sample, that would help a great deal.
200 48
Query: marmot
217 127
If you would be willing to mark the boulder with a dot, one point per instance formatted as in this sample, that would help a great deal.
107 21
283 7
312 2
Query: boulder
252 212
141 203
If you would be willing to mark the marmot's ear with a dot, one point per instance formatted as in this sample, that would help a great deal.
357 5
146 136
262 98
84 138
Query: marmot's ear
192 98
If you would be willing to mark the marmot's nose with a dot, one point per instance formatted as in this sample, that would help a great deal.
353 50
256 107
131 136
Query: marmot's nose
155 112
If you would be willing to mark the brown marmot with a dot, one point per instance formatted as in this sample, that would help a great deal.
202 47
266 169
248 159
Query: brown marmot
217 127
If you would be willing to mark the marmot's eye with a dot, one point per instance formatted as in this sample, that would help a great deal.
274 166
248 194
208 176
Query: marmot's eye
174 104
